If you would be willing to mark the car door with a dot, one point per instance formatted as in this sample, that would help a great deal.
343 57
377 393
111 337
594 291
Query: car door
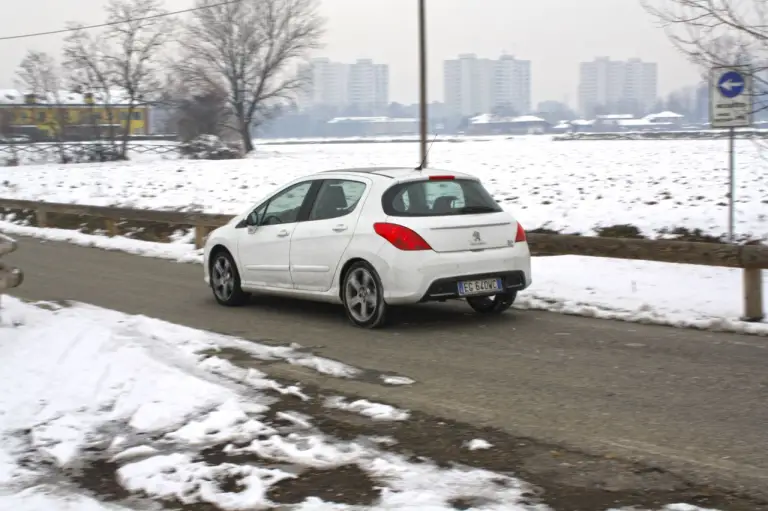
264 242
318 244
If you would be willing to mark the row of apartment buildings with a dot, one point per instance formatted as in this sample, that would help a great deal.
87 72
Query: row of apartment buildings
473 85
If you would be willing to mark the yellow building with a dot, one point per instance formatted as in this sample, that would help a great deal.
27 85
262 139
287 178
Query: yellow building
68 115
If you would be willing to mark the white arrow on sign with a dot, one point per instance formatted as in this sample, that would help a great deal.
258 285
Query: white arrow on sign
728 85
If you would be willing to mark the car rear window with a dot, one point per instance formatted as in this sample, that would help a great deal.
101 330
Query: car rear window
438 198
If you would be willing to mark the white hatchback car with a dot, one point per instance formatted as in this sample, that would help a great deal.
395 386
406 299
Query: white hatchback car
370 238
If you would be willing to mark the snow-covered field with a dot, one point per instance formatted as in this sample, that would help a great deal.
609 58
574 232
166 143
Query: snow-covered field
573 187
104 411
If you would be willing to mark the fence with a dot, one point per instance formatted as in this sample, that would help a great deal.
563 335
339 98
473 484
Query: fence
40 150
752 259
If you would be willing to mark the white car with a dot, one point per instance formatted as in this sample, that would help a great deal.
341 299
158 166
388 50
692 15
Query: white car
372 238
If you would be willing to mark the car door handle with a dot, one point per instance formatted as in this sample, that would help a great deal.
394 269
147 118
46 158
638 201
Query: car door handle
282 234
340 228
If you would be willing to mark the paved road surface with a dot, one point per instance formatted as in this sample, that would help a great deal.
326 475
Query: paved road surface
687 400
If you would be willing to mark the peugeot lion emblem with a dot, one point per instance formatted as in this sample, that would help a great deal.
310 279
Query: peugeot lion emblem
476 237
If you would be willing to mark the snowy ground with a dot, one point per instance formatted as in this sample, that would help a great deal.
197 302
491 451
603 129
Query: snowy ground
572 187
104 411
637 291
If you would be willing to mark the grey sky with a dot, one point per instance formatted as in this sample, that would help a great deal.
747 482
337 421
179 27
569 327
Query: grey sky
554 34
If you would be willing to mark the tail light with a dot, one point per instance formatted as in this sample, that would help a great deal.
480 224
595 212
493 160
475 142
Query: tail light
520 235
442 178
401 237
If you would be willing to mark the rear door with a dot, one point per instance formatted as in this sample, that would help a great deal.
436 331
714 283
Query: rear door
452 215
319 242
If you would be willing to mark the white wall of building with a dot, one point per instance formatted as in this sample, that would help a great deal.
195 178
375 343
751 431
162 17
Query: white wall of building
617 85
363 84
475 85
368 86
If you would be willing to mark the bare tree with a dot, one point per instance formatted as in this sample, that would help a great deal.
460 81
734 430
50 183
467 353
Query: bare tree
123 59
90 72
137 33
251 49
719 33
39 74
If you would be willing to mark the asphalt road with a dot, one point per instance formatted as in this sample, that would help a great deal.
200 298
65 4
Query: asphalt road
694 402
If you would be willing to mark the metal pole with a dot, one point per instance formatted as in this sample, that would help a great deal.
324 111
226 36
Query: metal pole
731 182
423 81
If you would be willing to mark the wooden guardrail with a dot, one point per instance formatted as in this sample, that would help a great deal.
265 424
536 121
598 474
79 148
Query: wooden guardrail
752 259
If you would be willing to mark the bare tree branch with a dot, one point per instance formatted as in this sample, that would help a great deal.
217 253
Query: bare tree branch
712 33
124 58
251 48
39 74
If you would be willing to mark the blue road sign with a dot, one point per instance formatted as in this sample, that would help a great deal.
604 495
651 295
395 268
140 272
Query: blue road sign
731 84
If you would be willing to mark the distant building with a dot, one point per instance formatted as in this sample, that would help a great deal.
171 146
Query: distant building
618 86
368 86
474 85
363 85
72 115
486 124
371 126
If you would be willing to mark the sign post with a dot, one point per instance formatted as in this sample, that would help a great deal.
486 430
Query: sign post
730 106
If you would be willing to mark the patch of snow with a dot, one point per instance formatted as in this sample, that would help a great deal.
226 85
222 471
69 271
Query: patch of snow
477 444
375 411
51 498
76 377
679 295
397 380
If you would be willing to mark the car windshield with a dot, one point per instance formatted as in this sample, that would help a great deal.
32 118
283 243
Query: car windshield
440 197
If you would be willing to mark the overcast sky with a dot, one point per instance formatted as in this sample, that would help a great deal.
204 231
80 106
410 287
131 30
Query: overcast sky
554 34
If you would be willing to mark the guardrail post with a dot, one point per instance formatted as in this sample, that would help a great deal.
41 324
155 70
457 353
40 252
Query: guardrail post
753 294
112 229
200 233
42 217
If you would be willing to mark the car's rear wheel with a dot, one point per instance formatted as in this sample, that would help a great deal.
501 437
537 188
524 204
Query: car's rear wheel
495 304
225 280
363 296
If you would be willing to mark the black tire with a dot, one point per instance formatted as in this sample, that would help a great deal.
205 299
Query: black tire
495 304
225 280
373 296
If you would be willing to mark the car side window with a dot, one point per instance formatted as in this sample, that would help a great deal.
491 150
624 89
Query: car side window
336 198
283 208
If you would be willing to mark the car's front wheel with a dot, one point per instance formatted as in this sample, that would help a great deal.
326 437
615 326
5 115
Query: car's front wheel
225 280
363 296
495 304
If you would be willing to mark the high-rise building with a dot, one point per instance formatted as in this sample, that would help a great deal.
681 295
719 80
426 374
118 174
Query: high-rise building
368 86
364 85
326 83
617 87
474 85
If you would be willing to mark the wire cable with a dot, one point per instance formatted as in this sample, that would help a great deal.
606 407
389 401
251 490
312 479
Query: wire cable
102 25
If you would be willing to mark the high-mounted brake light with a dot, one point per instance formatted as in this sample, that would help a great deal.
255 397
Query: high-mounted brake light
401 237
442 178
520 235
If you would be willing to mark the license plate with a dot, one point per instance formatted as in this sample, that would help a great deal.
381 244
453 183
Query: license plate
473 287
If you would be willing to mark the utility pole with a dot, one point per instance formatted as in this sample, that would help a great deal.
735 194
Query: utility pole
423 117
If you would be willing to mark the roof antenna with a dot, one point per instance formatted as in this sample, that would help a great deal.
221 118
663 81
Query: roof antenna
424 162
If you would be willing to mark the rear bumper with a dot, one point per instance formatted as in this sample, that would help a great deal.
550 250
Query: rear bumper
448 287
413 277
